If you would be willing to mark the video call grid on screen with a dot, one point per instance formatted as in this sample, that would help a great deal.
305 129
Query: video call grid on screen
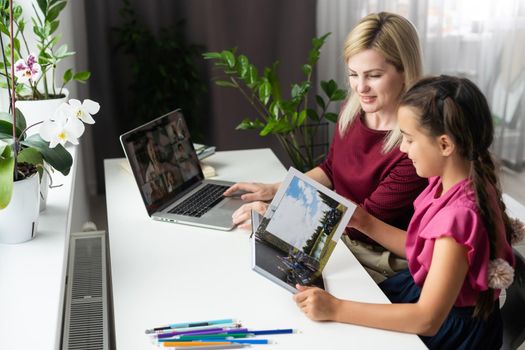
163 158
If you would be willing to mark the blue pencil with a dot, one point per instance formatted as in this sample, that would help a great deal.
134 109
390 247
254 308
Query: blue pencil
251 341
272 331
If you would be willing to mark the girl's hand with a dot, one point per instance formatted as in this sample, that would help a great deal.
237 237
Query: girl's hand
242 217
317 304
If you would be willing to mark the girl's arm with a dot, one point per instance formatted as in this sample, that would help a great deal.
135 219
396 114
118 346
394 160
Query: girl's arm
387 235
444 280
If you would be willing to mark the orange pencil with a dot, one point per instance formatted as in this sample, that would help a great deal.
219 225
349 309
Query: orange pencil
194 343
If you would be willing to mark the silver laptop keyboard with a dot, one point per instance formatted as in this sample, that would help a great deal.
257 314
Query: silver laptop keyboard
201 201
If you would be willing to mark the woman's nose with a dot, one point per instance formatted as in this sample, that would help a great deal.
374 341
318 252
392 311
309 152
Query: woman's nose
362 85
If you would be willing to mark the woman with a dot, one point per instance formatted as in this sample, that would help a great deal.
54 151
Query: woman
364 163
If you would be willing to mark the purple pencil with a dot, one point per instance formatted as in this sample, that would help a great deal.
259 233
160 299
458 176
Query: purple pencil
207 331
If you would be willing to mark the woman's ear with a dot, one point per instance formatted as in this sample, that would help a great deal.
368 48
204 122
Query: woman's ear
446 145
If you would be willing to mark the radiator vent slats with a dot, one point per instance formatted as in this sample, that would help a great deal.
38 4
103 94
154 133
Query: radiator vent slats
85 319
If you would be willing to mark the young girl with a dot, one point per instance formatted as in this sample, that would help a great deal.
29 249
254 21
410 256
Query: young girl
457 243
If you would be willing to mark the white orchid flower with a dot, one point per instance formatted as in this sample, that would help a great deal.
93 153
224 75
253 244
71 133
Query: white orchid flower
84 110
27 70
62 127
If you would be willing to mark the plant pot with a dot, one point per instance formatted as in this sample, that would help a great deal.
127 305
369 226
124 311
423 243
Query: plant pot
44 187
38 110
20 218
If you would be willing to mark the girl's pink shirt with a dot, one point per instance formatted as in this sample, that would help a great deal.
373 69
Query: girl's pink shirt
453 214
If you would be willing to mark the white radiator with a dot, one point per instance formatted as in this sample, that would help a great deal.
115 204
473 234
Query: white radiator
86 307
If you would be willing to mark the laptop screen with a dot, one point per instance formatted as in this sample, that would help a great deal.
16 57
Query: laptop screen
163 160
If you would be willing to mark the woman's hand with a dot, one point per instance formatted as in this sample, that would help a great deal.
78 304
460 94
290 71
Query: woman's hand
242 217
315 303
253 191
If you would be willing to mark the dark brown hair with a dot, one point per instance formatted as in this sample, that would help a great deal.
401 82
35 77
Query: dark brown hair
457 108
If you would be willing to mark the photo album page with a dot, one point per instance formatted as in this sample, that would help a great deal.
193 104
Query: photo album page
294 239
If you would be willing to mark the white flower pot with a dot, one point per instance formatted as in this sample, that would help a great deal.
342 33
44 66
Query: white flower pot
44 187
18 221
39 110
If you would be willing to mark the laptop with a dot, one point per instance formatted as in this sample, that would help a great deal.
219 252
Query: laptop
169 176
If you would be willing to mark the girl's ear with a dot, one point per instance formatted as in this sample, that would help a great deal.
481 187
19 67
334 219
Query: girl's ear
446 145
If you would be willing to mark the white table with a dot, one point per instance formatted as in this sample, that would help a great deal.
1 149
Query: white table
32 274
164 273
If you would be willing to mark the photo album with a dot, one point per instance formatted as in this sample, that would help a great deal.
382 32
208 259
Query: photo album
294 239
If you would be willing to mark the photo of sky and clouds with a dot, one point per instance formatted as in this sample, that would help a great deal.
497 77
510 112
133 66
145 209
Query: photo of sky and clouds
298 214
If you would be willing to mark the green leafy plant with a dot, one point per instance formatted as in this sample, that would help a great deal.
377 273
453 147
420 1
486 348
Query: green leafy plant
34 73
291 120
164 73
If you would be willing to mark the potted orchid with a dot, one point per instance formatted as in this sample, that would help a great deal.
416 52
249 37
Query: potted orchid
29 152
25 147
22 156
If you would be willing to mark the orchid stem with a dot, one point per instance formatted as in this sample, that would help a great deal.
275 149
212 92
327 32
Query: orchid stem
30 126
13 110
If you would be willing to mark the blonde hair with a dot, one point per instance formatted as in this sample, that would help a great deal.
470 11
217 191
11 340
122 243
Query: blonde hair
396 39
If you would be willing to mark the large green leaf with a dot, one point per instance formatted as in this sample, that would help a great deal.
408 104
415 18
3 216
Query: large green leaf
320 101
270 125
6 127
248 124
212 55
82 76
54 26
329 87
243 66
7 166
30 155
338 95
252 77
301 118
68 75
331 117
312 114
54 11
20 119
225 83
58 157
274 81
229 57
42 4
265 89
